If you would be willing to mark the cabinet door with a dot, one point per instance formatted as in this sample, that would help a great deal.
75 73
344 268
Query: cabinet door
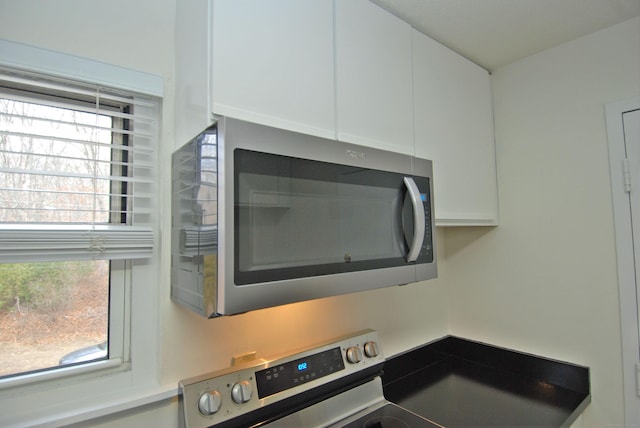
373 64
273 63
193 53
454 128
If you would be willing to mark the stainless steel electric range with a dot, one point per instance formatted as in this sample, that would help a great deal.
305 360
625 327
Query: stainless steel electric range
334 384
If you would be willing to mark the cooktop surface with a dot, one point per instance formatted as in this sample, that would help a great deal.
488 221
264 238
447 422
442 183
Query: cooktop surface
457 382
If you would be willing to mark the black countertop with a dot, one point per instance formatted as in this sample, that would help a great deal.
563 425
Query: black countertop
460 383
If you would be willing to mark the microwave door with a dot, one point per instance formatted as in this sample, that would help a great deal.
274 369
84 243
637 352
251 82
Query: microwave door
297 218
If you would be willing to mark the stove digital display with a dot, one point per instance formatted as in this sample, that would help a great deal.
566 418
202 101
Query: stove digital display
293 373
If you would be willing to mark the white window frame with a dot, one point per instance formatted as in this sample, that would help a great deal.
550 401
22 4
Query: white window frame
76 393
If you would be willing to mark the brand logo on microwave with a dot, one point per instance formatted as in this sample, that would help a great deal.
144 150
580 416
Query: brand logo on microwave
355 154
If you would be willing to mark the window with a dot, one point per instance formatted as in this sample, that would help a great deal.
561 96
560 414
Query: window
76 185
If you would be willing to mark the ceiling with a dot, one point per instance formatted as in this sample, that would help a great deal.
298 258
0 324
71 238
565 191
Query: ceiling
493 33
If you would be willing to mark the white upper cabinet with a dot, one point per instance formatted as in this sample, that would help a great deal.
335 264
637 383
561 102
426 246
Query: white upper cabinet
454 128
373 77
273 63
346 70
268 62
193 52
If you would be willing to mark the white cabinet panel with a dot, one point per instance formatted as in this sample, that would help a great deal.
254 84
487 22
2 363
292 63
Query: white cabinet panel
454 128
193 54
273 63
373 63
356 73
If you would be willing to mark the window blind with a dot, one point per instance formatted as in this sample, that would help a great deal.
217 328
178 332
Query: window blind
76 170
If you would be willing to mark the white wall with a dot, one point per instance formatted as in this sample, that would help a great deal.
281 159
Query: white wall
134 34
545 280
404 317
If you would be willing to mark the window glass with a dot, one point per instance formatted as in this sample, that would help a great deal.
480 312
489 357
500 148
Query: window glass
52 313
58 165
53 170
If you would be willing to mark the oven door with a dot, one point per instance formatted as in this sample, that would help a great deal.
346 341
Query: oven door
297 218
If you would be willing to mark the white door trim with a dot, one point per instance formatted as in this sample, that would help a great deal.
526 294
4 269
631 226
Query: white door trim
625 258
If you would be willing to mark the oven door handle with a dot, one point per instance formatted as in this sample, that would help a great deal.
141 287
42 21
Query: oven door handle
419 222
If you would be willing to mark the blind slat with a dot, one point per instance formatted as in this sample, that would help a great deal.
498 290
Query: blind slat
80 140
90 109
139 164
66 174
78 158
70 193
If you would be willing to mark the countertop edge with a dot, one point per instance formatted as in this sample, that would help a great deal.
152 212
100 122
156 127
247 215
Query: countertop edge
577 412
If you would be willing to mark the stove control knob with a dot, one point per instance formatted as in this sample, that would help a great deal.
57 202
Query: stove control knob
353 355
371 349
209 402
241 392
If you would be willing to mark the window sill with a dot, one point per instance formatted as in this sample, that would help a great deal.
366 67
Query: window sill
122 404
58 373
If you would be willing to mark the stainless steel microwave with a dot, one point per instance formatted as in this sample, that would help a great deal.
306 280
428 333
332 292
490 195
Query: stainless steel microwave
264 217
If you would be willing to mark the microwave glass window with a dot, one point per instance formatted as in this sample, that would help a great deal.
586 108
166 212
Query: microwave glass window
296 217
291 222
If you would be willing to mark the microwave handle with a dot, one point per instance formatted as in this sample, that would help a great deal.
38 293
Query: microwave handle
418 219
